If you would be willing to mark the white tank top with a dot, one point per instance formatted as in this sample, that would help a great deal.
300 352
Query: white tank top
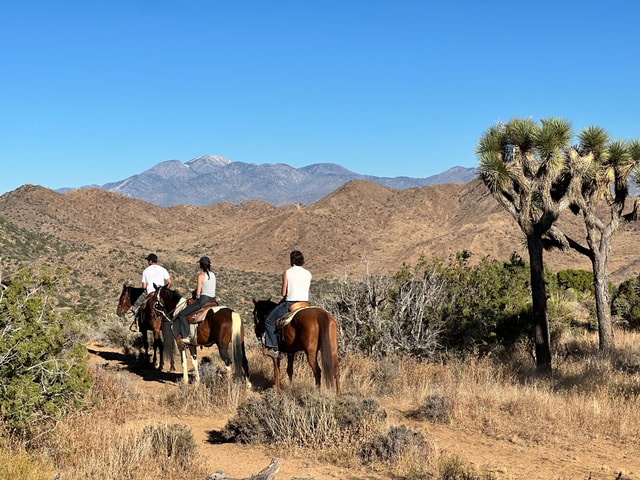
298 283
209 285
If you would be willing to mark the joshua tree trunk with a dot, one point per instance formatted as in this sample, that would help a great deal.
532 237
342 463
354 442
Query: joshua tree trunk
539 303
599 263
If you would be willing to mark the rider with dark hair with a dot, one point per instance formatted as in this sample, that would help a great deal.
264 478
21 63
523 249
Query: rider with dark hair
295 288
205 292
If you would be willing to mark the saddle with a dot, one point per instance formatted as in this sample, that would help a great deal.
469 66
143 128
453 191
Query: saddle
287 317
199 315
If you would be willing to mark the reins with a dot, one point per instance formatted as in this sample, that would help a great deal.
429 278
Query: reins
168 316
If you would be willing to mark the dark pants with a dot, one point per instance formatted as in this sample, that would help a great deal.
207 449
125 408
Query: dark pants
281 309
182 324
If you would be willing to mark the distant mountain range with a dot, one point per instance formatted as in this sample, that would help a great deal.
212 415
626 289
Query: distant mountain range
210 179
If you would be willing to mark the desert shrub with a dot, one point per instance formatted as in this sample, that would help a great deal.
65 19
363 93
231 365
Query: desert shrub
437 306
172 441
436 407
43 369
453 468
396 442
579 280
487 304
626 302
304 419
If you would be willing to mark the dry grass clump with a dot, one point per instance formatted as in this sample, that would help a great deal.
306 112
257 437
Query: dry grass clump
348 431
215 393
451 467
16 462
90 447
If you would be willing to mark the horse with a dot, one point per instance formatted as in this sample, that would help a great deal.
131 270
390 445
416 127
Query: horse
311 330
221 326
149 320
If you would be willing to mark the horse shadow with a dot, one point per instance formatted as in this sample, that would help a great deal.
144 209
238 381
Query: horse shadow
216 437
136 365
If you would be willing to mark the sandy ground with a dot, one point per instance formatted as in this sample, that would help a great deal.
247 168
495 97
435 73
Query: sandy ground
505 458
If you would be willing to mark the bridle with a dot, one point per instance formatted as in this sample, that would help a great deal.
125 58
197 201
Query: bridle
167 316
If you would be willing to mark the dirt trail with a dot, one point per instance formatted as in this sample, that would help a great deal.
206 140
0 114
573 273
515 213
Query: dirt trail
505 458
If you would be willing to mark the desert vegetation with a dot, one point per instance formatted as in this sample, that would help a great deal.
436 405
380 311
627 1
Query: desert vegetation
441 343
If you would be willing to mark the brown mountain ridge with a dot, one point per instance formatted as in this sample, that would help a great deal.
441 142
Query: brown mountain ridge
102 236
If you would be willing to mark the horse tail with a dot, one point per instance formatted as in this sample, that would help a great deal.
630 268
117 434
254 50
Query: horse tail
169 341
237 349
329 350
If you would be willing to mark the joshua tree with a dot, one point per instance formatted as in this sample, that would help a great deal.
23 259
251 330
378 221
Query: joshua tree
533 172
609 166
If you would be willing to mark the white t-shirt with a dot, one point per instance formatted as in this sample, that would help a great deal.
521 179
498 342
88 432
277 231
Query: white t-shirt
298 283
154 273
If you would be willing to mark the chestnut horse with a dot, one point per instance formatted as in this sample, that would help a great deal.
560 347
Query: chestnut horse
149 320
221 326
311 330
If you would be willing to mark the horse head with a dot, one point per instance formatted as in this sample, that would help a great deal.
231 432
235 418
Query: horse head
124 302
261 308
160 297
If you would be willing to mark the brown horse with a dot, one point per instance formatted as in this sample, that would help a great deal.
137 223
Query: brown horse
149 320
311 330
221 326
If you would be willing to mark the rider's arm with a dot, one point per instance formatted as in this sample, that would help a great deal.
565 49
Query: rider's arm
284 284
199 287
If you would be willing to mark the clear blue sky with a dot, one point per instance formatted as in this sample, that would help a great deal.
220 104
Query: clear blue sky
95 91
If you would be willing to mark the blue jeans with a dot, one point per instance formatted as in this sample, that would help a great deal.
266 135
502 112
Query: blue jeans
183 326
281 309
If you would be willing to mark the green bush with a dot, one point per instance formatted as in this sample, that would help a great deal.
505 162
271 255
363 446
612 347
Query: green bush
578 280
43 370
481 305
435 306
625 302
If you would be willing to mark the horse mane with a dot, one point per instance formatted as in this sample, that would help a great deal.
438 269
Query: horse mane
175 295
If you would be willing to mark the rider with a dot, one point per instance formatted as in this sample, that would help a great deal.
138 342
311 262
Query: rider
295 288
205 292
154 273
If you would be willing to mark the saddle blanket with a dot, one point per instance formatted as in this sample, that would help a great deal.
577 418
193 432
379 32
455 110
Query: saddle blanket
284 320
200 315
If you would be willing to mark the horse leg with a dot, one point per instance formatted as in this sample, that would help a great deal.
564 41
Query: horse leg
225 355
312 358
245 366
290 359
185 368
276 374
161 348
194 360
145 344
155 356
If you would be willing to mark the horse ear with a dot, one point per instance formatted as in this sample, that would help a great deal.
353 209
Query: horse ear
254 301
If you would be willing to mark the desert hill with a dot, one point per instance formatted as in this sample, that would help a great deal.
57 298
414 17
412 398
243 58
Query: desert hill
102 236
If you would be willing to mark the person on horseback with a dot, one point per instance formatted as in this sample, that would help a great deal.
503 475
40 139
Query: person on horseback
205 292
296 281
154 273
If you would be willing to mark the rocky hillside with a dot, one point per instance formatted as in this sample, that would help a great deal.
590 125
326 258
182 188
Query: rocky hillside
101 236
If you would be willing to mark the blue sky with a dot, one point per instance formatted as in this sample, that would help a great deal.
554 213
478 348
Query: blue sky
96 91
